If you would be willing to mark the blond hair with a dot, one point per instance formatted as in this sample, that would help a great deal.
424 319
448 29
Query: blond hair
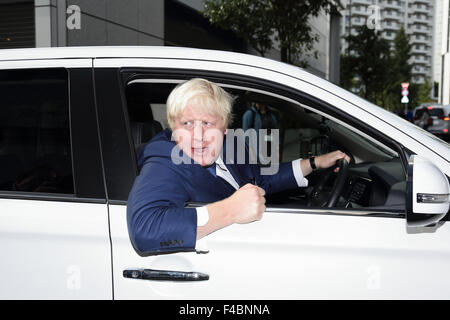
204 94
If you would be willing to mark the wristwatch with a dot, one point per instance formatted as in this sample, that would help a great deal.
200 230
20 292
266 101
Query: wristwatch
312 163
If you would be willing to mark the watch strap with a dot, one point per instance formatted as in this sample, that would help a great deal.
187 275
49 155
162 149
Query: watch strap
312 163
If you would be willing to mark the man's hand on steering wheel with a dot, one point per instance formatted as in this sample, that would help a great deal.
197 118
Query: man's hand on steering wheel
328 160
318 196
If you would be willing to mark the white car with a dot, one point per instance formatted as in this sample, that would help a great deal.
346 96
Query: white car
72 119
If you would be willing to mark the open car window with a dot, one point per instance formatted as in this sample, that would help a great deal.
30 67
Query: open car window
375 178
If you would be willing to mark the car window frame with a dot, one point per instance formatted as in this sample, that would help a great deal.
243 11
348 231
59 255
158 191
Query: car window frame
375 144
88 184
128 74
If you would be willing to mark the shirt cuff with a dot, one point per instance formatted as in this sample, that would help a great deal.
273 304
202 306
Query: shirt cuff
298 174
202 216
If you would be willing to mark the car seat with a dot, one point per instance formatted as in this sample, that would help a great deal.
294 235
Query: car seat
143 126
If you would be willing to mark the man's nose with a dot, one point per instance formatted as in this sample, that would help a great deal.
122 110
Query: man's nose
198 131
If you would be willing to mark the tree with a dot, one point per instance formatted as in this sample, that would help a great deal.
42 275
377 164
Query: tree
424 92
263 24
347 73
401 56
366 66
401 70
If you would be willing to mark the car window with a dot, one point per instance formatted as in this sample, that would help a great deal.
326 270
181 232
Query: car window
302 132
35 152
434 112
146 104
376 177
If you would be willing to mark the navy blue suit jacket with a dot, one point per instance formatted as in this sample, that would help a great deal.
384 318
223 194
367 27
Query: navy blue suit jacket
158 221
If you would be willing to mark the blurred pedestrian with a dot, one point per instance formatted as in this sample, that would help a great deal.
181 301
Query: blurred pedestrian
425 119
409 115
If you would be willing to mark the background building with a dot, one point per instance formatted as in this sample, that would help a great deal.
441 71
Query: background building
441 73
17 24
52 23
387 16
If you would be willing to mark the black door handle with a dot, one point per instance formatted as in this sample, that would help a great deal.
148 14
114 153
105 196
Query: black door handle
167 275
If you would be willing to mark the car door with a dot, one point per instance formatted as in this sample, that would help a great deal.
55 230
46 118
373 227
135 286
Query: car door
292 252
54 234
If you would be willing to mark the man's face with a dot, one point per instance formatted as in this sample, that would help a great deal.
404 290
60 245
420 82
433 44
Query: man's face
199 134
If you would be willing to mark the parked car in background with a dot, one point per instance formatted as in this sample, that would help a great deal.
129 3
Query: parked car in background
72 120
441 119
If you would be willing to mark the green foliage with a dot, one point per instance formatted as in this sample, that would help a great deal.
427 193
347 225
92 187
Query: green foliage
400 72
262 23
245 18
401 56
424 92
375 71
363 68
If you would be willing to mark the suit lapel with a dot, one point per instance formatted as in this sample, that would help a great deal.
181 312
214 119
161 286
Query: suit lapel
207 186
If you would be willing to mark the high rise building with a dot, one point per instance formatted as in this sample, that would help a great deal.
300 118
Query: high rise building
388 16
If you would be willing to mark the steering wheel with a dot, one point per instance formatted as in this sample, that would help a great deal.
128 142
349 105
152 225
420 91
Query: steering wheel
320 198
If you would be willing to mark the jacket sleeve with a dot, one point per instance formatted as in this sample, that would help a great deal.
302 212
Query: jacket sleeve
279 177
157 220
283 179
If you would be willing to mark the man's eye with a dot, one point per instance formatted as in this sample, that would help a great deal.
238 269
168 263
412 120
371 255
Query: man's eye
207 124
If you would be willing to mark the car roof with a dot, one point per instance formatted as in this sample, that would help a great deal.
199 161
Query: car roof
138 52
96 52
158 52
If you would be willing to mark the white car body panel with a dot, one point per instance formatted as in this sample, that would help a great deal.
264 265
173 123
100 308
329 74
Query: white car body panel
296 256
54 250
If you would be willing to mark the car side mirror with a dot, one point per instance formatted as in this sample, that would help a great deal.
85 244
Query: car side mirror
427 193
